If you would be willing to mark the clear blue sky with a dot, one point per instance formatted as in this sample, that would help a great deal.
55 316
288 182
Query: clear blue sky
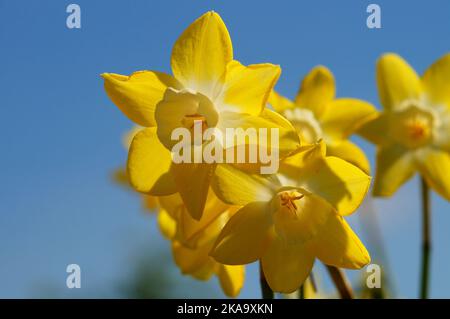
61 136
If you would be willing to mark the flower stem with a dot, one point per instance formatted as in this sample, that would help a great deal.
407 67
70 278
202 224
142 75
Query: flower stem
426 240
341 282
266 292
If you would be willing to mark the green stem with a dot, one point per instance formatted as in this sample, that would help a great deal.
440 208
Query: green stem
341 282
426 240
266 292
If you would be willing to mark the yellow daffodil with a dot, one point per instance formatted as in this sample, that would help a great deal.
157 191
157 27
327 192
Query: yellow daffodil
413 132
192 240
289 220
316 114
208 86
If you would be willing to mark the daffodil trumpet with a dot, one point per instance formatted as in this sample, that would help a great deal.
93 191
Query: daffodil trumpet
197 144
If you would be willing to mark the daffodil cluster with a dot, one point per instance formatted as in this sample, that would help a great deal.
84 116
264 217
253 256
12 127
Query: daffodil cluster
222 216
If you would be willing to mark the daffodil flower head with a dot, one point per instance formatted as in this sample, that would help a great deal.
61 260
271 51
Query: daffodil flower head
413 131
316 114
289 220
208 89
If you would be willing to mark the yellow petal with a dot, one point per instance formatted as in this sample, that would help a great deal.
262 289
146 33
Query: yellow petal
394 167
167 225
376 130
435 168
247 88
201 54
192 181
397 81
231 279
279 102
244 238
195 262
236 187
337 245
149 173
317 90
344 116
340 183
137 95
150 202
268 122
192 232
286 267
436 80
351 153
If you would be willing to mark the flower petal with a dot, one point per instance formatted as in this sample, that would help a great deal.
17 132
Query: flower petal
149 173
435 168
231 279
286 267
376 130
317 90
351 153
340 183
340 176
236 187
195 262
265 126
337 245
192 181
344 116
137 95
244 238
247 88
167 224
436 80
279 102
394 167
201 54
397 81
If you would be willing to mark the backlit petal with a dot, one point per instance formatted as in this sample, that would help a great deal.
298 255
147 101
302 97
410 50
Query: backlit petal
394 167
244 238
351 153
237 187
201 54
148 172
344 116
231 279
397 81
247 88
316 91
435 168
286 267
436 80
137 95
337 245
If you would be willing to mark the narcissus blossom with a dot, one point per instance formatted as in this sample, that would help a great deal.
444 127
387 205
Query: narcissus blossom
192 240
412 134
316 114
289 220
207 85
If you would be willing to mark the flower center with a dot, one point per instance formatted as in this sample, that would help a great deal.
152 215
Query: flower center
412 125
288 205
306 124
190 122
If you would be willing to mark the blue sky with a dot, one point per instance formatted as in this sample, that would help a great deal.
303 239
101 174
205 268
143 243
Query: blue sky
61 136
